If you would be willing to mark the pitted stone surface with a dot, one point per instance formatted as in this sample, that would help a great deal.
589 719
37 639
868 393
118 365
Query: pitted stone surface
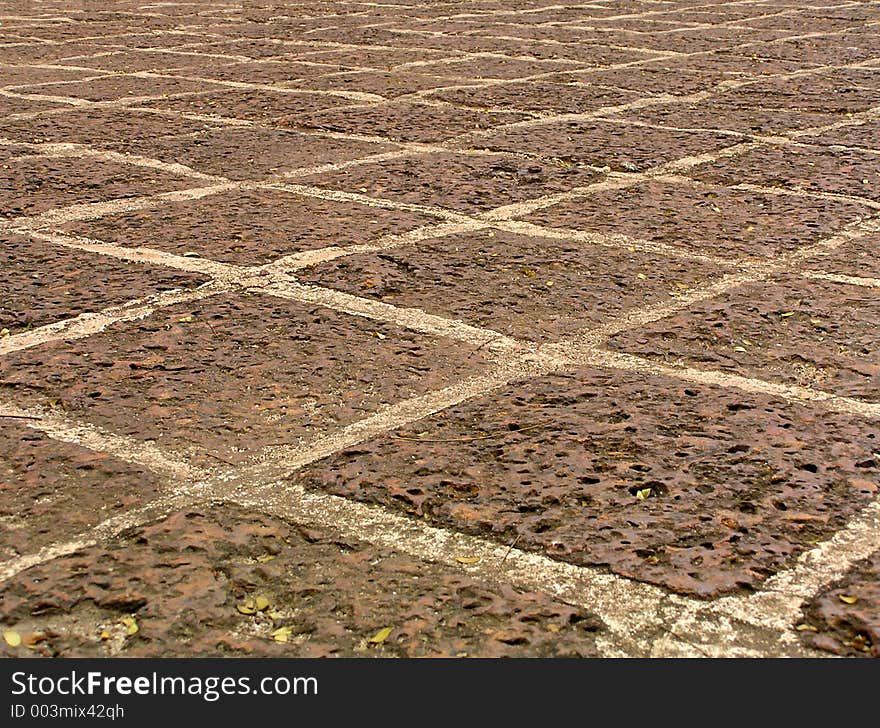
702 490
184 578
471 200
842 619
44 283
224 378
527 287
250 227
791 330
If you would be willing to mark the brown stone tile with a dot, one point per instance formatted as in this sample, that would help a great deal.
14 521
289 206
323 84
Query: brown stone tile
264 72
253 153
841 91
789 330
858 258
29 75
849 47
843 618
44 283
100 127
527 287
865 135
495 67
459 182
51 491
539 96
622 147
114 88
813 169
388 84
698 489
260 106
249 227
723 114
184 578
406 121
224 377
33 185
705 219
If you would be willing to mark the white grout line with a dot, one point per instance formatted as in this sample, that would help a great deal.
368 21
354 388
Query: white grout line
838 278
87 324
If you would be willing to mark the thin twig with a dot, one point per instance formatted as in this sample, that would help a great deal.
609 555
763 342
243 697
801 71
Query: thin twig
21 417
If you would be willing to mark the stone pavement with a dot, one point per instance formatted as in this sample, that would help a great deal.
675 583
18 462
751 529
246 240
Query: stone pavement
486 328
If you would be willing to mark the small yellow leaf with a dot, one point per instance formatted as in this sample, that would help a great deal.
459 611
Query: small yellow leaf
553 627
261 603
641 276
806 628
786 314
548 283
12 638
643 493
848 599
274 615
740 348
467 559
265 558
4 332
185 320
105 635
248 607
528 272
381 635
131 626
282 634
380 336
746 342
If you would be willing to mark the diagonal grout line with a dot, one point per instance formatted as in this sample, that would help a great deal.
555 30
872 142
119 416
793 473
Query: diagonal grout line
87 324
411 318
820 275
129 449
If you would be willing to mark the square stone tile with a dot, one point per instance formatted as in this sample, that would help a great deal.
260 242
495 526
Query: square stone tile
51 491
622 147
44 283
259 106
253 153
809 168
790 330
701 490
857 258
249 227
465 183
706 219
99 127
222 378
116 87
31 185
534 288
539 96
724 114
184 578
388 84
407 121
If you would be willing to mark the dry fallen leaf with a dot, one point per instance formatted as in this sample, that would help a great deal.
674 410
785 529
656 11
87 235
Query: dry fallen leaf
265 558
261 603
643 493
848 599
786 314
740 349
248 607
282 634
131 626
380 636
12 638
806 628
467 559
